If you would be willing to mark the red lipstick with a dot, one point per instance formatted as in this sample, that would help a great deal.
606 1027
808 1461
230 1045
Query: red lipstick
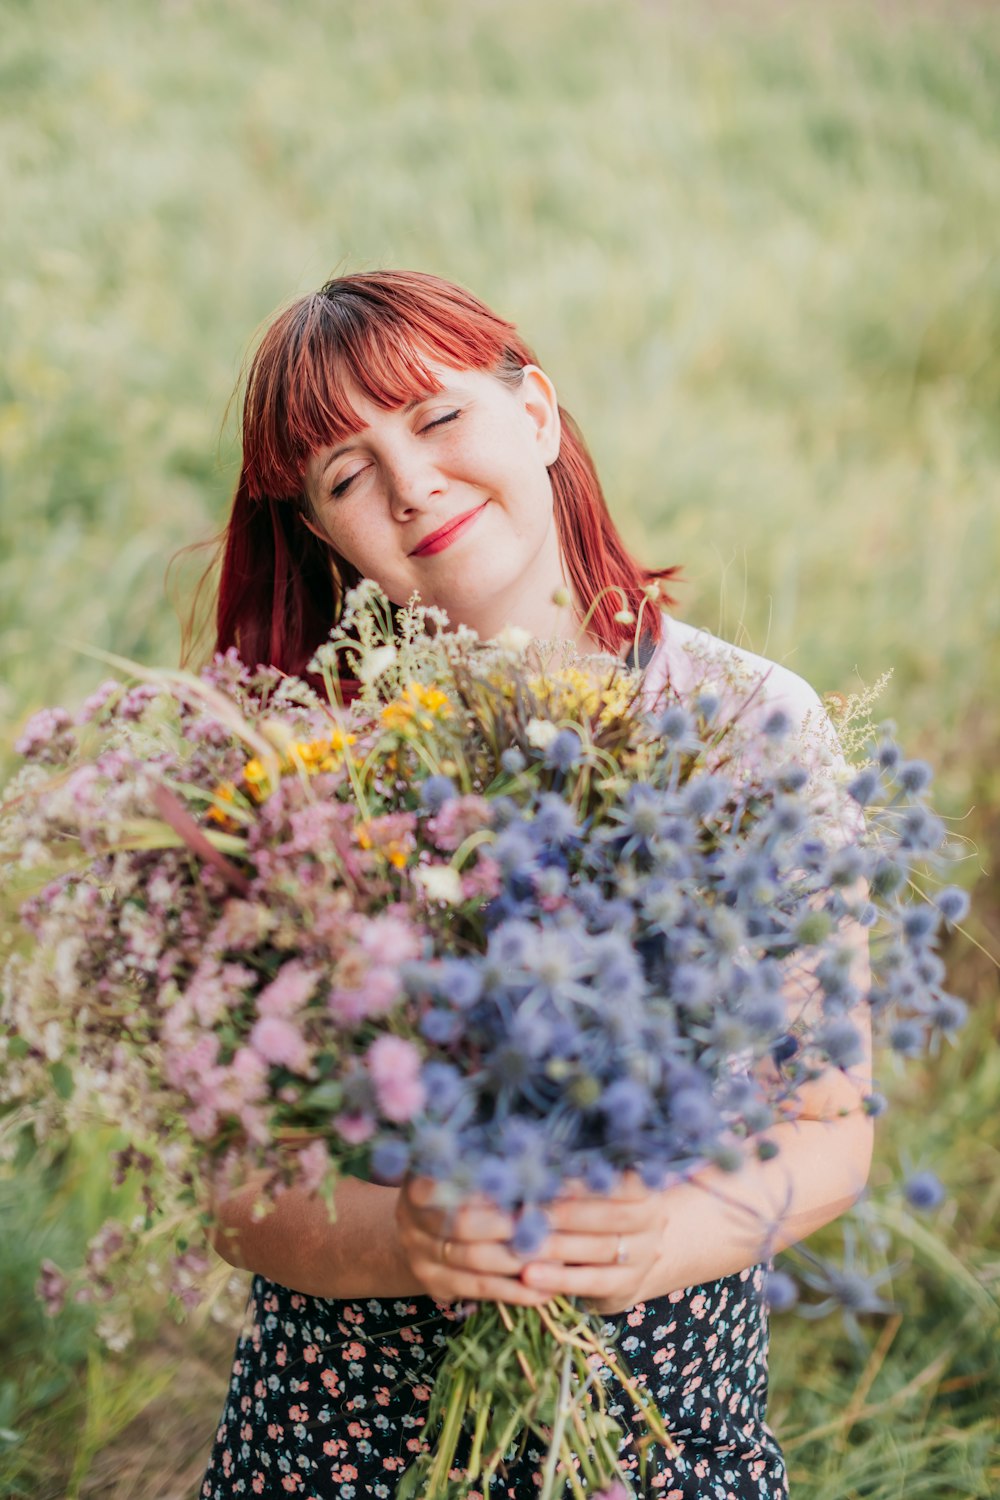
448 533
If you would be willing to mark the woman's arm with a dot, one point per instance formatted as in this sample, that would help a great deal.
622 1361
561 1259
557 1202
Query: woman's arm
371 1248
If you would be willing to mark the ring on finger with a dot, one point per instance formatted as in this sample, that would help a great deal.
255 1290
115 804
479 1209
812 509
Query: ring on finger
445 1251
621 1252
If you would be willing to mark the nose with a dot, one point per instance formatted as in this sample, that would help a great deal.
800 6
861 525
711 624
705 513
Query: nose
413 481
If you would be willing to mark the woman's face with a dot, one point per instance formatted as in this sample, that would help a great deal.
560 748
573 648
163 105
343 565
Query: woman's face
450 497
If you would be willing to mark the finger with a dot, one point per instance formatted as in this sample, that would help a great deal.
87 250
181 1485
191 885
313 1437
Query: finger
475 1257
597 1282
469 1223
598 1216
588 1250
472 1288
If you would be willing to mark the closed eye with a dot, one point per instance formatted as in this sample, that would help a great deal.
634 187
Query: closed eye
448 417
344 485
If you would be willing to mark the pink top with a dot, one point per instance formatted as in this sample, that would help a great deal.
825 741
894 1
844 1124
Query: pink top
692 661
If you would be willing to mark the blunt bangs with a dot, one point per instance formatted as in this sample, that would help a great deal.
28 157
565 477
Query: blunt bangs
345 341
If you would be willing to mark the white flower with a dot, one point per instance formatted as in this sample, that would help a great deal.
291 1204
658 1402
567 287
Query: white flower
374 663
541 733
513 639
441 882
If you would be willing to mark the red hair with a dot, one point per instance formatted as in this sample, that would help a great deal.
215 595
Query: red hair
281 589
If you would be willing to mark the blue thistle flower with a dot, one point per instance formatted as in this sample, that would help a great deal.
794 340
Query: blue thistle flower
924 1192
888 755
952 903
913 776
555 821
676 725
440 1027
919 925
780 1291
625 1104
530 1232
792 778
841 1041
874 1104
445 1087
390 1159
460 981
704 795
907 1038
436 791
513 761
865 787
565 751
777 724
949 1014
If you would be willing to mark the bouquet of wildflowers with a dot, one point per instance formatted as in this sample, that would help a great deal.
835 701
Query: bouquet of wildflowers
502 921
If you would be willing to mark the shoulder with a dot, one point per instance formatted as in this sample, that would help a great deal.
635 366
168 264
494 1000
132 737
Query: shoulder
694 658
689 660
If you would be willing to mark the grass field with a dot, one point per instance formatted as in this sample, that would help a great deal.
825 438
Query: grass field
756 247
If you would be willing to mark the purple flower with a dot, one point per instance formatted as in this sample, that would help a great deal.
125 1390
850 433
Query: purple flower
51 1288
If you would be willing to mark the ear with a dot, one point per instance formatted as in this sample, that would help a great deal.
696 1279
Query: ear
541 404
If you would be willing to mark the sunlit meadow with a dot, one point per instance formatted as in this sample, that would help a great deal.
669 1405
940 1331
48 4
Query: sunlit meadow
756 248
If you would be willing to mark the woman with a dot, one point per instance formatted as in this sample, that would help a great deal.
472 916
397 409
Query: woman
395 428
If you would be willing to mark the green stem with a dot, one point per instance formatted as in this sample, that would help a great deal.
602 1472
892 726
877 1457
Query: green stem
558 1426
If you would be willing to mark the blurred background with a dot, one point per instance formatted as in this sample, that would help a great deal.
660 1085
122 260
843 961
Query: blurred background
756 246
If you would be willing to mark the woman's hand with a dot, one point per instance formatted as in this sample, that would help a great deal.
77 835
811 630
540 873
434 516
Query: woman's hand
461 1258
602 1247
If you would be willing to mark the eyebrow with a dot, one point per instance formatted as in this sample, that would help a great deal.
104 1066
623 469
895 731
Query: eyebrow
410 406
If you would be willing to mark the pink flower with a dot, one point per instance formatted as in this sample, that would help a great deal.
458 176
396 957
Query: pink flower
277 1041
313 1162
394 1067
459 817
288 991
354 1129
482 882
390 939
377 992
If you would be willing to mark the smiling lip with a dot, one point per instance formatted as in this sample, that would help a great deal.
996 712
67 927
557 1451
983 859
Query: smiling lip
445 535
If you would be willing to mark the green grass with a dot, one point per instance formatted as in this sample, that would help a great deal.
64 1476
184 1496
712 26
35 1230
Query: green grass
755 246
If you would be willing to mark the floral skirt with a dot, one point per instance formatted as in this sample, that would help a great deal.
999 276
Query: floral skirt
328 1398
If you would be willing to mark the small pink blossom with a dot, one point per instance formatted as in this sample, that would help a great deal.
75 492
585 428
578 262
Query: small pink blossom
288 991
313 1162
483 881
390 939
394 1066
203 1122
459 817
277 1041
377 992
354 1129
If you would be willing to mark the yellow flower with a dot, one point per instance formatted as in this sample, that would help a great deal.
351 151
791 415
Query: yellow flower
321 755
419 706
224 792
256 778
